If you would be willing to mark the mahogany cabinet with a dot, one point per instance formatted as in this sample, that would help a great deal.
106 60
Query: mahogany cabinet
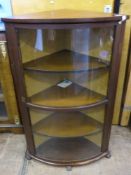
65 67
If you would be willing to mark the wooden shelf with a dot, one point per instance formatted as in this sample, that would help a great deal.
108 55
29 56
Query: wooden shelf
65 61
67 125
71 96
67 150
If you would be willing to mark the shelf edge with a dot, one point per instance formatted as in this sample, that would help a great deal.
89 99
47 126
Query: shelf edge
29 69
90 134
47 108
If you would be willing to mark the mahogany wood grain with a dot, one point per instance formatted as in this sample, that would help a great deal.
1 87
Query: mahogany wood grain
64 16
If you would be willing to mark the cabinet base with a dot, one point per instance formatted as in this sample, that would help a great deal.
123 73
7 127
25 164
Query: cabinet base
67 164
69 168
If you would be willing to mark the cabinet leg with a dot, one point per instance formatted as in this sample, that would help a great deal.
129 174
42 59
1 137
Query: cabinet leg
108 155
69 168
27 156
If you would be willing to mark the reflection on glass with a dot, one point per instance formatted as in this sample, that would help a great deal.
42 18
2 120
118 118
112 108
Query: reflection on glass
90 42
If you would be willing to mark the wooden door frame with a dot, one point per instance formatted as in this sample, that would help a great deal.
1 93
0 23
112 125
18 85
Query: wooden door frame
127 75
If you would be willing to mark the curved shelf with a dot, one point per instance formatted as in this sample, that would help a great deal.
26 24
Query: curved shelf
65 61
73 96
66 150
67 125
40 107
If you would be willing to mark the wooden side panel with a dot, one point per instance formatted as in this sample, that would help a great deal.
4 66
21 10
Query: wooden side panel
126 108
24 7
127 105
125 9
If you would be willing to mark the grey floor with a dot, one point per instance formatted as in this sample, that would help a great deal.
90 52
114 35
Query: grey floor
13 162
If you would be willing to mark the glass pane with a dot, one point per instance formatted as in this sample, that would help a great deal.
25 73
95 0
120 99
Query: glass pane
67 136
66 67
75 43
3 113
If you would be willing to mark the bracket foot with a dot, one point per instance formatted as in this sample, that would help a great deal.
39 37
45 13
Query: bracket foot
69 168
108 155
27 156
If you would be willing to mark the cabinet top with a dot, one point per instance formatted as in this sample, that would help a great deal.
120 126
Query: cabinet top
64 16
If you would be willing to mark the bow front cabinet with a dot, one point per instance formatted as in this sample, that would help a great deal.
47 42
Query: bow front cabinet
65 66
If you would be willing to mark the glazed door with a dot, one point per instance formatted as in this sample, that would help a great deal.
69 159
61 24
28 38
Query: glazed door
3 112
9 117
66 74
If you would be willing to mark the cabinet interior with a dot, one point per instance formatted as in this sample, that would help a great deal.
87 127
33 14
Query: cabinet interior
67 70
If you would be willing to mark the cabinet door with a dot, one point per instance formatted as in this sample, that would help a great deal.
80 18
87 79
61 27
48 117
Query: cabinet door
66 73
